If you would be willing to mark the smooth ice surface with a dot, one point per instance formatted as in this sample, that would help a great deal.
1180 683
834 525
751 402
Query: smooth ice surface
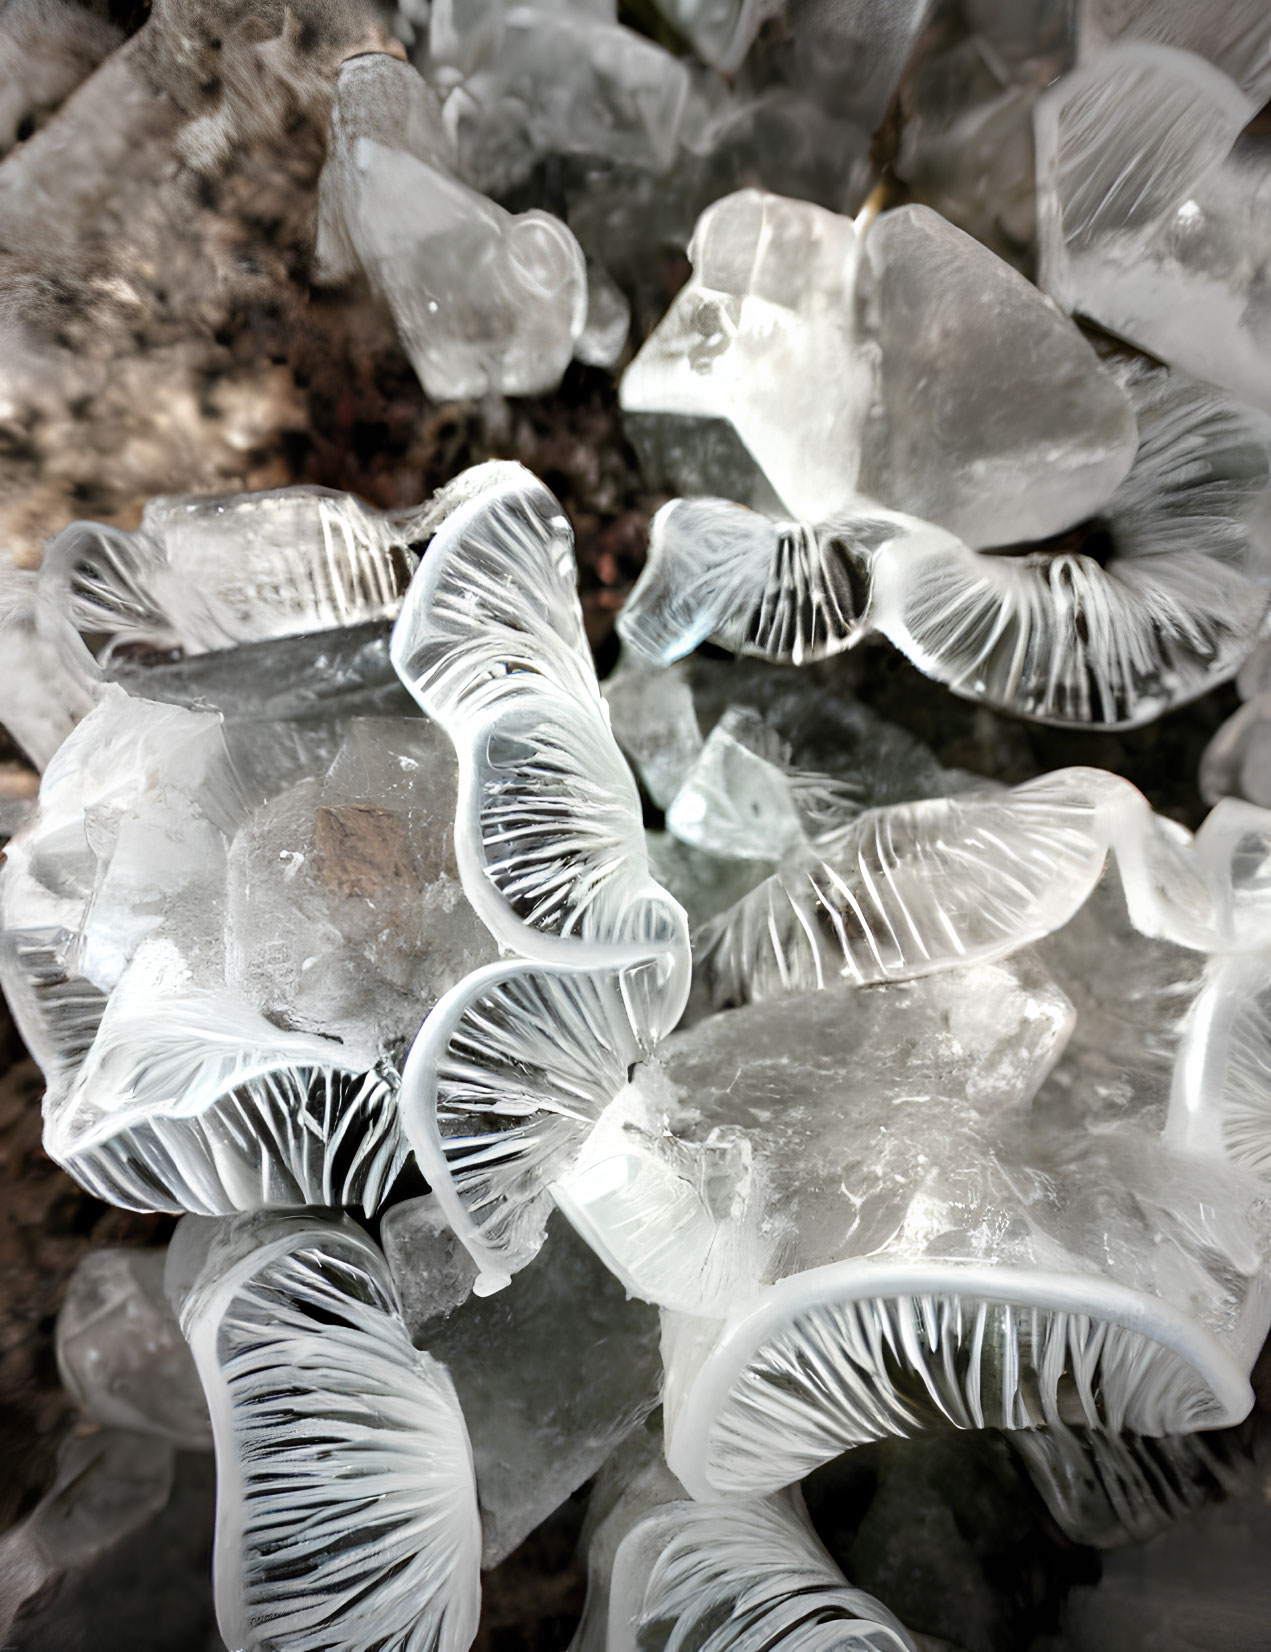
785 296
548 836
127 841
433 1273
652 717
738 800
1150 212
201 574
120 1352
347 1510
744 1575
962 437
483 300
47 678
106 1485
552 1374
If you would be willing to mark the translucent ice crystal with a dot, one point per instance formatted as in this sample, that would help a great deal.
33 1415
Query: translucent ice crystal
1174 603
1147 209
552 1374
201 574
120 1352
1237 761
552 79
549 837
47 677
483 300
863 316
873 1233
347 1511
742 1575
1234 37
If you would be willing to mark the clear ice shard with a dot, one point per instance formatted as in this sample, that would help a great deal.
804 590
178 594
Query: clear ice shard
120 1352
740 1576
106 1486
1148 210
1107 1490
552 1375
1171 605
857 1226
484 300
654 721
127 842
347 1512
549 836
539 80
721 32
201 574
811 339
739 800
48 680
1237 761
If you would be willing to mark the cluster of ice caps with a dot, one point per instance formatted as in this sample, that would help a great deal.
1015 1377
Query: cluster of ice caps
967 1124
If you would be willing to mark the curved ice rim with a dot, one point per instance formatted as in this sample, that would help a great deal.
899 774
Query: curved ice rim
1091 1295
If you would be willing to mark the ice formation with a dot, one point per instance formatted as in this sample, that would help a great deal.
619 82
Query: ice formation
483 300
1174 601
728 1084
1147 194
745 1574
299 1341
863 314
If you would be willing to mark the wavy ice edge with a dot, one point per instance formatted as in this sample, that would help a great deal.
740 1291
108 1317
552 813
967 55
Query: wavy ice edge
883 1355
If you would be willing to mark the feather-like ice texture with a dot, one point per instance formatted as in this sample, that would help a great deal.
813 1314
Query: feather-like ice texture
664 1572
1106 1490
552 1374
1064 638
120 1352
875 1234
785 295
549 835
128 839
198 1103
203 574
484 301
502 1087
346 1508
916 887
1234 36
1150 211
1221 1104
561 80
47 677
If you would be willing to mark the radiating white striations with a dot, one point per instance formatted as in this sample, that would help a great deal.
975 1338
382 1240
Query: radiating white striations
202 574
549 838
1167 596
515 1064
1148 205
346 1510
665 1572
785 295
484 301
